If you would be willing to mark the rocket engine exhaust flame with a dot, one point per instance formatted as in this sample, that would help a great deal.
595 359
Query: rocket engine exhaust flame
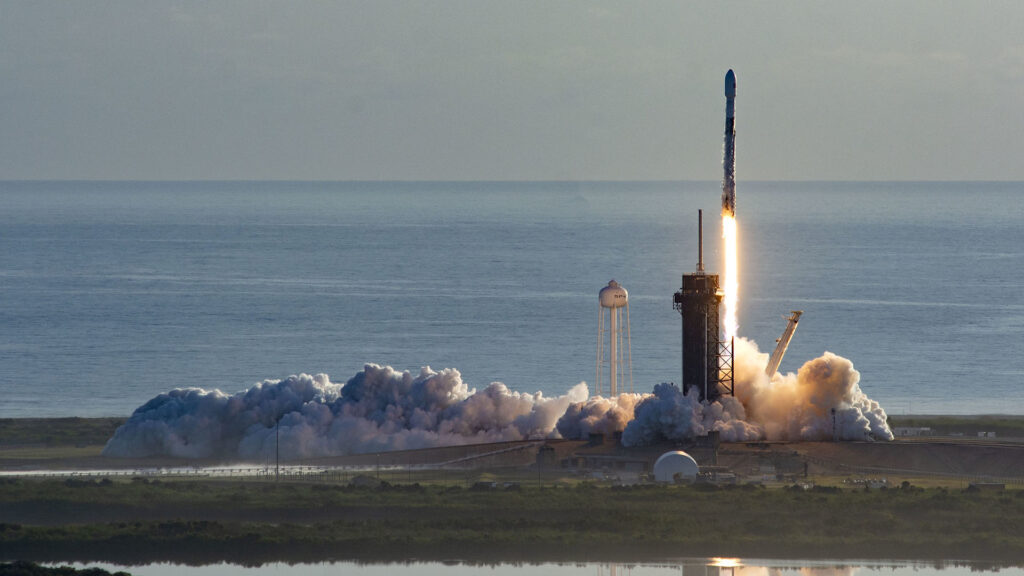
730 282
731 278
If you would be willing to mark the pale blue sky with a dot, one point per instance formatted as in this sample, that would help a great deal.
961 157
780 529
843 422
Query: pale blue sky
517 90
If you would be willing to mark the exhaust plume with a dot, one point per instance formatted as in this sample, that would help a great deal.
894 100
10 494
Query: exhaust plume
798 406
786 407
598 415
378 409
381 409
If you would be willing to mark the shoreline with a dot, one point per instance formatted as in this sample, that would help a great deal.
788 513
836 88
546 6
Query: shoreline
197 522
85 431
505 511
381 553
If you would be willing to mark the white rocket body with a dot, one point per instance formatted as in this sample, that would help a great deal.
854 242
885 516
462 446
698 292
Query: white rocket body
729 161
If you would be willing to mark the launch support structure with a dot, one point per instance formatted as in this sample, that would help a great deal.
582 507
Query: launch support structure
707 359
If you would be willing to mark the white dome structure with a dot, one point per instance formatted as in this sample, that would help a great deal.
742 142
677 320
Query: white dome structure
671 466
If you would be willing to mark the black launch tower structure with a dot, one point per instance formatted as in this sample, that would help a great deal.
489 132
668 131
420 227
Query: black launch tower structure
707 359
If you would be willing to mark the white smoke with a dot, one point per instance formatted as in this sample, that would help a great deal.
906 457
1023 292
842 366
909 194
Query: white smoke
799 406
598 415
786 407
381 409
378 409
668 414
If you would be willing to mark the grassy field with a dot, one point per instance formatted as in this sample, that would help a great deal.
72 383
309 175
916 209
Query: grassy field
207 521
250 521
1002 425
50 432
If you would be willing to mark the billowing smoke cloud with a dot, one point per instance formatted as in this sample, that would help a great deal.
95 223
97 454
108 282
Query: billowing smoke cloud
598 415
799 406
786 407
378 409
668 414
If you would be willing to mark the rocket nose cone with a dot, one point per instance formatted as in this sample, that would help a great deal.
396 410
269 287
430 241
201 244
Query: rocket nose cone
730 84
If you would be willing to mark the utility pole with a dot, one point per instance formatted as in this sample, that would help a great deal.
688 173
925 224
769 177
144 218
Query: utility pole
540 463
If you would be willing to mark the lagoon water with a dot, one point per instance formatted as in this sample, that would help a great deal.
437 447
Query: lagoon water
115 292
688 567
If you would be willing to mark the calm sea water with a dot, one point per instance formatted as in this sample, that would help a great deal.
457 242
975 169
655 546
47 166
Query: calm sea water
111 293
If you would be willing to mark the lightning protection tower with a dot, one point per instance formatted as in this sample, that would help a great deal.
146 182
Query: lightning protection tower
707 359
618 354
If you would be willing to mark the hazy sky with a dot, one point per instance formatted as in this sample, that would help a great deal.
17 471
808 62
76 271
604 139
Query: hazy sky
510 90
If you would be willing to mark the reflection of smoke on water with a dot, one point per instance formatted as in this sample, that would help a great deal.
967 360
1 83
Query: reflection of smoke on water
381 409
812 571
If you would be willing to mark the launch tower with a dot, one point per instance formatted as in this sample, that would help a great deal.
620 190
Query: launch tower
707 360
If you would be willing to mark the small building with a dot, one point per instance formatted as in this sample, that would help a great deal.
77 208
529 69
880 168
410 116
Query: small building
675 466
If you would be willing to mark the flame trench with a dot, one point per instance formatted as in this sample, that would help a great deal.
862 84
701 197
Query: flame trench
730 283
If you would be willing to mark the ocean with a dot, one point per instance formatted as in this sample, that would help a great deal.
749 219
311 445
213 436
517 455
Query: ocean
113 292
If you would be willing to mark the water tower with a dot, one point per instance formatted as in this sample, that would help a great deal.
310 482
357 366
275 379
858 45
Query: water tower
618 354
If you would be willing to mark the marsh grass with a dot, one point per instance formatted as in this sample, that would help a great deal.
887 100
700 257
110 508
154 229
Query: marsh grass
57 431
195 520
969 425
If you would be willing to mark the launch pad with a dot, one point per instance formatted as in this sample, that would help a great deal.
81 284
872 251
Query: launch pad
707 358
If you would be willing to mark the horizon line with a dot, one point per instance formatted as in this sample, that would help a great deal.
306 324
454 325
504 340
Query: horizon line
493 181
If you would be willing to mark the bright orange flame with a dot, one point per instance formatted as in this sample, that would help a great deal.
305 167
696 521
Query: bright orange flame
730 284
725 562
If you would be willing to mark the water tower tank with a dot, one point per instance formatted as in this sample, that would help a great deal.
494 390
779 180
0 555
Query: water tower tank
671 466
613 295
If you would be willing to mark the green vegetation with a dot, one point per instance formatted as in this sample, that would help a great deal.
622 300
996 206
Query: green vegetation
248 522
20 432
472 515
1002 425
53 441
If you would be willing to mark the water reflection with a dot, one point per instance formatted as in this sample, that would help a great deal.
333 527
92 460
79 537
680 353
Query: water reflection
736 567
679 567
